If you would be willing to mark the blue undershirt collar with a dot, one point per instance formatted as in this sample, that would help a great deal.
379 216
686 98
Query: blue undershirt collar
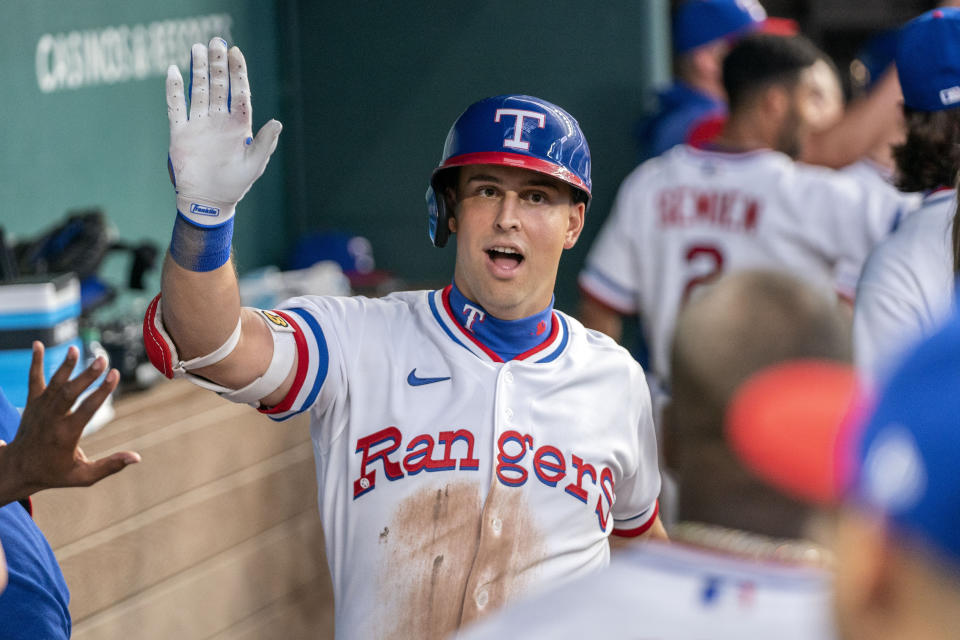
506 338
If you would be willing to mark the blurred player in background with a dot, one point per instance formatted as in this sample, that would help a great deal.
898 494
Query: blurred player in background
688 216
743 569
892 465
693 109
470 442
907 287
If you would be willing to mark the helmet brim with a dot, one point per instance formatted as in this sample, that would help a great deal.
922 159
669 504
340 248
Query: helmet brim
518 160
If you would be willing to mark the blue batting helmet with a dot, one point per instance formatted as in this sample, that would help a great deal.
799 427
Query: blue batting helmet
514 131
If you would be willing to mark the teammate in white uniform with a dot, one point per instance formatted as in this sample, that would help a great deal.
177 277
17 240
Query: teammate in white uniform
907 286
472 444
661 592
740 571
683 218
906 290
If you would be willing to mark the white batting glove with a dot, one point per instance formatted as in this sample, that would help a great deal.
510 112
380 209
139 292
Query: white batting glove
213 159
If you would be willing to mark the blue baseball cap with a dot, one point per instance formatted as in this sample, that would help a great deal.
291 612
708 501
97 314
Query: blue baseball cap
698 22
805 428
928 60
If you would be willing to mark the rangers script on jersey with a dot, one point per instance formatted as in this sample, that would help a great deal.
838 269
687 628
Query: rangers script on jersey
906 291
451 482
684 218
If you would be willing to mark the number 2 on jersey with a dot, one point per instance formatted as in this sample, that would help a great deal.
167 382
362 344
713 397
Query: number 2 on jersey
702 254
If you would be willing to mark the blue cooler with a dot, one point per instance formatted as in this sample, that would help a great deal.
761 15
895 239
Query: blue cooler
43 308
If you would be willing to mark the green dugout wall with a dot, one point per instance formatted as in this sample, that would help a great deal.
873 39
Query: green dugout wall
366 91
83 115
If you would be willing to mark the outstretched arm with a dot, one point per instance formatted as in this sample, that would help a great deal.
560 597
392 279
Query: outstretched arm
213 162
44 454
866 123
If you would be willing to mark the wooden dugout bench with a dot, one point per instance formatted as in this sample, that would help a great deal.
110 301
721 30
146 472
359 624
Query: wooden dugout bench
215 535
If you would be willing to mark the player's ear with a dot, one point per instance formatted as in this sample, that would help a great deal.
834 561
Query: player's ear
450 195
575 220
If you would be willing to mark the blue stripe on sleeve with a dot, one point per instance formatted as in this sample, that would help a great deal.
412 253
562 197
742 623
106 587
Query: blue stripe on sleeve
609 282
323 355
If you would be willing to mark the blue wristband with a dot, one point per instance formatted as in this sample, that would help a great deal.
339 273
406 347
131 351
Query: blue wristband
198 248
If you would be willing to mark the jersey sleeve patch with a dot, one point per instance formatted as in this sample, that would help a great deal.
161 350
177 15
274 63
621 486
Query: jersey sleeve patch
312 361
276 322
637 525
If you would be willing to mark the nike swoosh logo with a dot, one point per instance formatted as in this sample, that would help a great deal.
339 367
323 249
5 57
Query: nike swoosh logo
414 381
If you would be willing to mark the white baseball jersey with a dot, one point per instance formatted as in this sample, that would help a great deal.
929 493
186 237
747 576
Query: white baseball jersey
906 291
451 482
876 177
689 215
661 592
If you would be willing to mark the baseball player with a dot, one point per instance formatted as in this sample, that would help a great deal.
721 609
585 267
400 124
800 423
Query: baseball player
685 217
743 570
692 108
907 284
472 444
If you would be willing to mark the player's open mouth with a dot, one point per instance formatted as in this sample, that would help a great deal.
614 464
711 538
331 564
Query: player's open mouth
505 257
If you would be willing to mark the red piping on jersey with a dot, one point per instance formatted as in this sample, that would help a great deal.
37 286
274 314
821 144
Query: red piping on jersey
633 533
446 305
554 330
303 362
603 303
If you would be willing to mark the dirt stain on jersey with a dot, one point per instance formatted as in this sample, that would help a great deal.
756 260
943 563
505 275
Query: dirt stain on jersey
509 554
444 548
432 543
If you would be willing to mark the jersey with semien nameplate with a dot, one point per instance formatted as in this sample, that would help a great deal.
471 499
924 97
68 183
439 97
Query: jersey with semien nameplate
685 217
449 482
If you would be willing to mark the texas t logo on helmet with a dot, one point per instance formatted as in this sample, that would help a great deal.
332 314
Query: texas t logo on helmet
516 142
514 131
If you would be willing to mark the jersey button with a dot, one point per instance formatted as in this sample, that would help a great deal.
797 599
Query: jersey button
508 376
482 598
508 412
497 525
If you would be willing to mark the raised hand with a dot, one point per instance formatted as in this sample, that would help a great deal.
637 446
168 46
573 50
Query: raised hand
213 159
44 454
